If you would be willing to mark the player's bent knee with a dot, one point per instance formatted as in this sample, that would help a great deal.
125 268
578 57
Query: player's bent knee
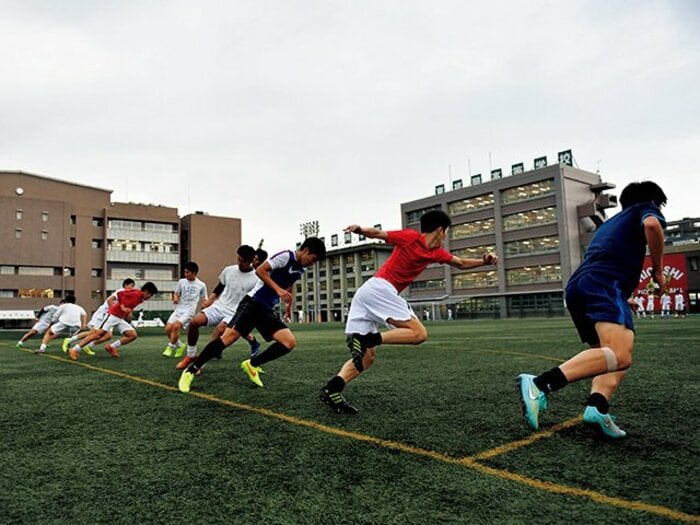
616 361
420 335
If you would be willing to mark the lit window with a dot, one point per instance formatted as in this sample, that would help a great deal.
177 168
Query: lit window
18 233
45 216
44 235
19 214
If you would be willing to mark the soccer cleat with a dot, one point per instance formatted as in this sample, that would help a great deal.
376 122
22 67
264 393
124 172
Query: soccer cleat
337 402
88 350
532 399
253 372
112 351
73 354
185 381
254 348
185 362
180 350
65 345
19 344
168 352
603 423
40 351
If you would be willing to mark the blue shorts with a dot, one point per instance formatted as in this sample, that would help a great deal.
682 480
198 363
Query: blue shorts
592 299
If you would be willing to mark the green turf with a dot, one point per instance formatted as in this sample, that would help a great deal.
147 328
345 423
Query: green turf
80 445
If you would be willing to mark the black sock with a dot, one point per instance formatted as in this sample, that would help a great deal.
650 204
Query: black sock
336 384
251 342
212 350
373 339
274 351
599 401
551 380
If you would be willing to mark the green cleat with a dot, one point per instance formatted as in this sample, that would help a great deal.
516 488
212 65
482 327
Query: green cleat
19 344
532 399
65 345
168 352
87 350
180 350
185 381
253 372
603 423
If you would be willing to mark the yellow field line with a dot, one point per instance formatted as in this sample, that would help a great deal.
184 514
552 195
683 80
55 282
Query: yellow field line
509 447
468 462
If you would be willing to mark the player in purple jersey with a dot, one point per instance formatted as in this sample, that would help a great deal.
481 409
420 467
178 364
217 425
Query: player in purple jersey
596 296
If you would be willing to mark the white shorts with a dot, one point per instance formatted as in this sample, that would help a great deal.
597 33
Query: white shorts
184 316
215 314
64 329
374 302
97 319
41 326
120 324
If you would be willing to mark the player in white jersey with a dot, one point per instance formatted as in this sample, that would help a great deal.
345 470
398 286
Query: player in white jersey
70 319
234 283
190 292
639 301
44 318
96 321
679 304
665 305
650 304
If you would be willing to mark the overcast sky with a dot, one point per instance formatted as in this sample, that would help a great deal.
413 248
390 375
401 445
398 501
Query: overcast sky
281 112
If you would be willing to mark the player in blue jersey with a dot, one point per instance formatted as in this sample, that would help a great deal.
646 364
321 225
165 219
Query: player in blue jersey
256 310
596 296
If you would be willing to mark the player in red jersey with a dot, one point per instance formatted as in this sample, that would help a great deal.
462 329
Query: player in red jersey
119 314
378 300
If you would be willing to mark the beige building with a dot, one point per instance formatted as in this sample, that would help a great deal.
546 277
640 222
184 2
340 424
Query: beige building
61 238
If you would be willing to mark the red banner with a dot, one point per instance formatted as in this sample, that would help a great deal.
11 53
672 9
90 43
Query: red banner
676 273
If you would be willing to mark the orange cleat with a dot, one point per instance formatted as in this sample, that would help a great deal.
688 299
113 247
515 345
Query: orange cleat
185 362
112 351
73 353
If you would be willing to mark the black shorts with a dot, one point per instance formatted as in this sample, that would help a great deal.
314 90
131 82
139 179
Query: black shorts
251 314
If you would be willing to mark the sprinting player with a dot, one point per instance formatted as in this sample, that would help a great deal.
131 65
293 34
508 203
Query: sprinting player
256 310
119 314
44 318
650 304
679 304
665 305
96 321
69 319
234 283
595 297
378 301
190 292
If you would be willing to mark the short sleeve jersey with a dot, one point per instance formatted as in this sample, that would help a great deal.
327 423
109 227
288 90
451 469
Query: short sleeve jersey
191 293
236 285
130 298
285 272
70 314
410 257
47 312
618 247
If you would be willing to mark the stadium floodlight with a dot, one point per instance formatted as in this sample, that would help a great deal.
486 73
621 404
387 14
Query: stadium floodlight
309 229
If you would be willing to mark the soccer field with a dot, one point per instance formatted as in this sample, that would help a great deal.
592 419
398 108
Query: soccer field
439 438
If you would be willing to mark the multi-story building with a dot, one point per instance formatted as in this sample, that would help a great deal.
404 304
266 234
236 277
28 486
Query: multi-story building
538 222
61 238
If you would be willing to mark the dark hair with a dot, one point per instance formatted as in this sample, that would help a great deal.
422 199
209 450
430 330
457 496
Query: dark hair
261 254
639 192
247 253
434 219
191 266
70 299
150 288
128 281
315 246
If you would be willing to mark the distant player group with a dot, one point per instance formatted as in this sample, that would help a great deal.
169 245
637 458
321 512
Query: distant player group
247 294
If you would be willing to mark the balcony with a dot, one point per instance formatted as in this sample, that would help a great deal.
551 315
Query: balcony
163 286
143 235
143 257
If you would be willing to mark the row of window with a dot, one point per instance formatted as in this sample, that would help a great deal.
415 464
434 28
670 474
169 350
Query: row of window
142 226
36 270
515 221
19 232
19 214
489 279
126 245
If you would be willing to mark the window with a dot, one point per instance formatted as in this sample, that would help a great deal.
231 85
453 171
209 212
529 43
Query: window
474 252
7 293
472 229
72 220
44 235
7 270
431 284
71 242
18 233
528 192
45 216
35 292
97 221
97 243
475 280
19 214
534 274
537 245
96 272
413 217
162 275
529 219
471 204
693 263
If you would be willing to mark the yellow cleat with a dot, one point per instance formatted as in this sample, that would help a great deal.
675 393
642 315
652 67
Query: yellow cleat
185 381
253 372
88 350
168 352
180 350
65 345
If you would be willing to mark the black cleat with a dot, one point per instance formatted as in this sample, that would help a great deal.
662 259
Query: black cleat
337 402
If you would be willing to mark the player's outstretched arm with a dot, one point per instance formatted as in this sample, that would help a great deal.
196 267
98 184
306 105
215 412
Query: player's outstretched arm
372 233
465 263
654 234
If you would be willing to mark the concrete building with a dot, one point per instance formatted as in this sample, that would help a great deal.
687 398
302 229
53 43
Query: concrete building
538 222
60 238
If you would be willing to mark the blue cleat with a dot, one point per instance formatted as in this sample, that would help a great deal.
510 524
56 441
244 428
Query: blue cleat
532 399
604 423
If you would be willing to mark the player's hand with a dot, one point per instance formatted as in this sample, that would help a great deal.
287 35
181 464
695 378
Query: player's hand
490 258
285 296
660 279
353 228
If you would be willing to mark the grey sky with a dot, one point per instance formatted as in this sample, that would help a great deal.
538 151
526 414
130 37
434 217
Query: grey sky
284 112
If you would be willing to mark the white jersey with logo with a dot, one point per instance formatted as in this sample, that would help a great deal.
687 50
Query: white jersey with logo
190 293
236 285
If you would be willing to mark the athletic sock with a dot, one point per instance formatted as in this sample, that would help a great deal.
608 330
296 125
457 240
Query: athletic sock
252 342
191 351
213 349
336 384
274 351
42 347
172 345
373 339
91 345
551 380
599 401
116 344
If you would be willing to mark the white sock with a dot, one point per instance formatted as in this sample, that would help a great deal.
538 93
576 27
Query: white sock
172 345
77 348
191 351
73 339
42 347
91 345
116 344
178 344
